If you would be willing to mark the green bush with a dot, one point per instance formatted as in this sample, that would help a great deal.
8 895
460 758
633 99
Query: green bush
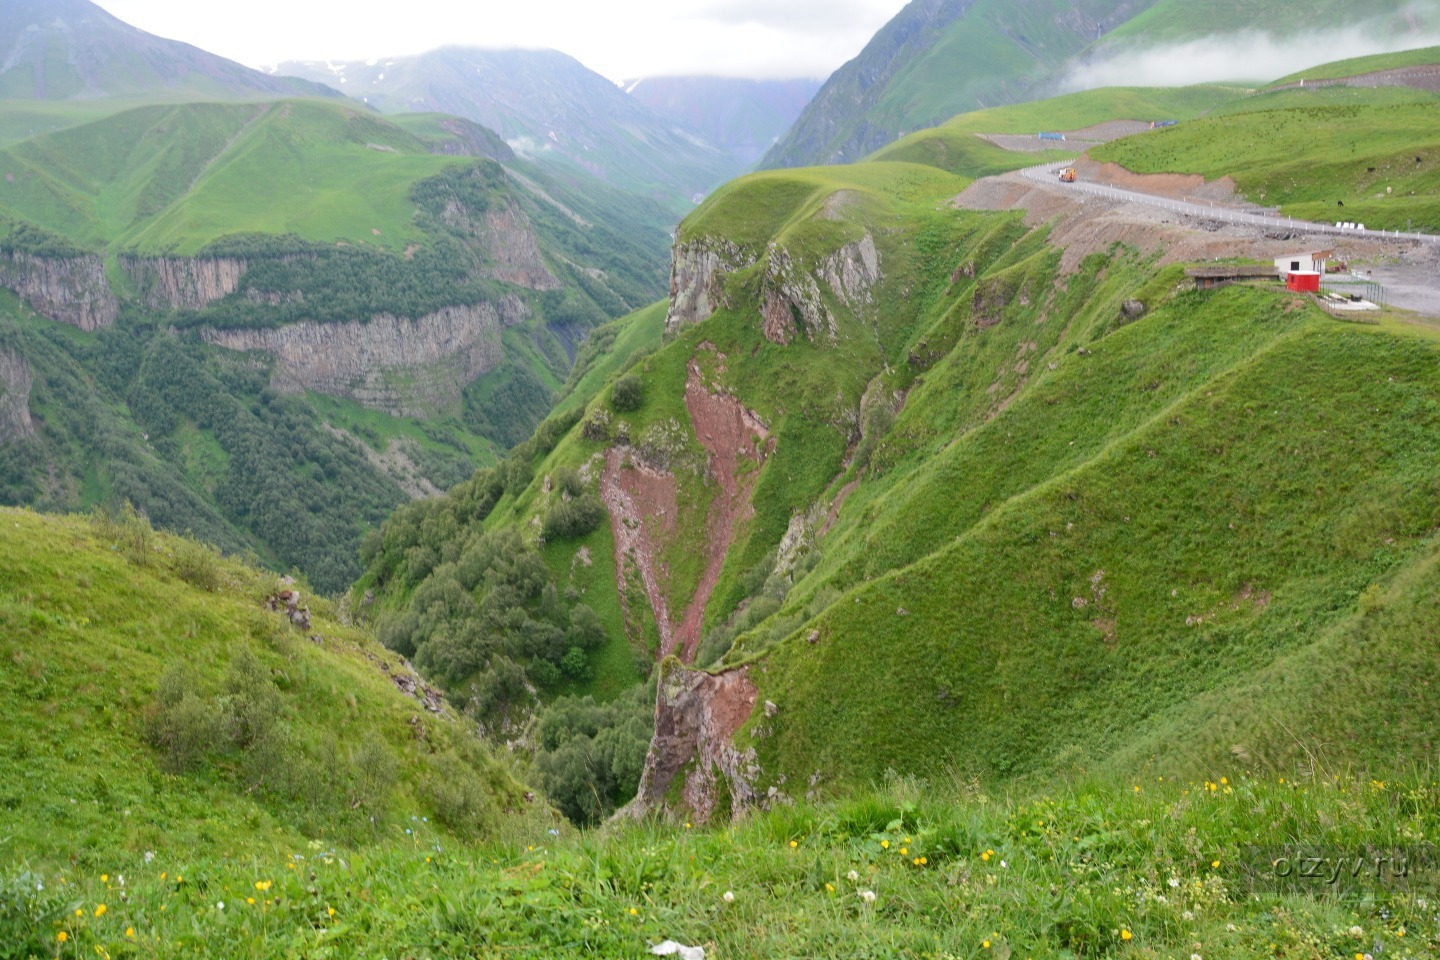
628 394
570 519
198 564
183 724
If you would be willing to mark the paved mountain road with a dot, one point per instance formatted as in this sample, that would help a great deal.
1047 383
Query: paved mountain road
1049 174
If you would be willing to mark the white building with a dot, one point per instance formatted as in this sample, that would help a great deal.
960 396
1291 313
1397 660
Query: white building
1302 262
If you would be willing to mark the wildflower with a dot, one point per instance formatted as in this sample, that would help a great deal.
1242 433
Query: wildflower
262 885
1223 780
62 936
1215 864
867 895
1357 931
329 911
852 876
1187 915
1174 882
904 851
1196 956
130 932
985 944
885 844
830 888
1229 928
793 844
104 878
250 900
728 896
916 861
1126 934
924 861
220 905
987 855
100 910
1003 864
79 912
149 855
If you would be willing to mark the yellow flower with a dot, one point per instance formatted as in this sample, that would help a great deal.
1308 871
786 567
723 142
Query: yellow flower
79 912
1125 934
104 878
427 859
904 851
62 936
793 844
262 885
289 866
985 945
1223 780
634 912
330 911
885 844
830 887
162 874
1215 864
923 861
100 910
130 932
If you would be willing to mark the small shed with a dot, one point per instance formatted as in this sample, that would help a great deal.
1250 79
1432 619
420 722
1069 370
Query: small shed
1303 262
1303 281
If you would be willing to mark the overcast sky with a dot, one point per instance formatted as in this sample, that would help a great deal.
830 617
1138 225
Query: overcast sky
620 39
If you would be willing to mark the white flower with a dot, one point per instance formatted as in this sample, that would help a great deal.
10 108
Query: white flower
121 879
1187 915
1174 882
1196 956
728 896
220 905
1230 928
1004 865
867 895
853 876
1357 931
149 855
39 885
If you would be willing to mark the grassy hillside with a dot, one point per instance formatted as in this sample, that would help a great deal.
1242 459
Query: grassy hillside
1169 21
956 145
1368 156
1356 66
1143 868
153 703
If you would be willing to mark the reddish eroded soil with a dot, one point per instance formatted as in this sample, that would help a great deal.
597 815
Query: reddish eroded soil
643 511
728 432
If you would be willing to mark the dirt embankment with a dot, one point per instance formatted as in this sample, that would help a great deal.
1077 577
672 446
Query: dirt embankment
642 507
730 434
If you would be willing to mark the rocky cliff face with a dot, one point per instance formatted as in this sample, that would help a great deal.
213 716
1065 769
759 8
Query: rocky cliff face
507 238
696 715
696 269
188 283
405 367
15 382
71 290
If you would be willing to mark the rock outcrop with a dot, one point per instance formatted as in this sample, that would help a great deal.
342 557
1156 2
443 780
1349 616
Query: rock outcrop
71 290
507 238
696 717
184 283
791 301
852 271
696 271
15 383
404 367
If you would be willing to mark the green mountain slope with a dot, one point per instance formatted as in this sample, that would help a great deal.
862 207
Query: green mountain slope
427 303
939 59
549 107
154 703
73 50
925 501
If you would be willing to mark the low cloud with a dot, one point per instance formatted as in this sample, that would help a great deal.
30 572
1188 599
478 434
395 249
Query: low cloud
1248 55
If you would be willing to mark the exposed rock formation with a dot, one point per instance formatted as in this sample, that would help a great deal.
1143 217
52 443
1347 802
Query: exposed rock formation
15 382
511 243
791 300
852 271
696 717
189 283
71 290
696 270
508 240
402 366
